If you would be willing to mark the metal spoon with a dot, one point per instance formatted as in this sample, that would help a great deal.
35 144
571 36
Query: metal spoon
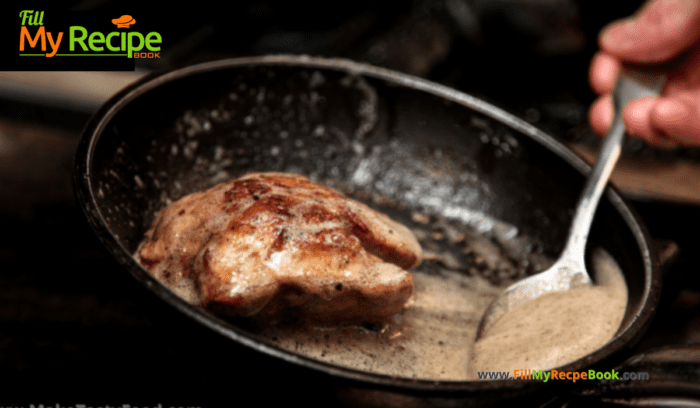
569 271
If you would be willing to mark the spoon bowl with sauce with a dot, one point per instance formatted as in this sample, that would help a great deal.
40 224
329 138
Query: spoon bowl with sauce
569 271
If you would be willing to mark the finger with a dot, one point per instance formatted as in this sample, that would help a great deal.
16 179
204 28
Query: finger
601 114
603 73
638 122
678 119
659 32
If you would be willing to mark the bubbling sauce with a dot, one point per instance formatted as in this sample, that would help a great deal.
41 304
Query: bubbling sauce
430 339
433 337
557 328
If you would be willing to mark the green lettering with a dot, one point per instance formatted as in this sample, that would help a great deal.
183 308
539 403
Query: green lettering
95 39
152 38
108 41
614 375
80 40
599 375
132 47
591 374
546 376
537 375
26 15
607 375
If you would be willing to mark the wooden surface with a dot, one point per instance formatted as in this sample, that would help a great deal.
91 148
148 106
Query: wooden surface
649 178
84 91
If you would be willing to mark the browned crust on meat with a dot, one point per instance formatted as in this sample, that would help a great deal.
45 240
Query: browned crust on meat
268 242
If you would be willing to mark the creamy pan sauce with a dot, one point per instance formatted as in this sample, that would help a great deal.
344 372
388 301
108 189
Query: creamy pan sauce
433 336
558 328
430 339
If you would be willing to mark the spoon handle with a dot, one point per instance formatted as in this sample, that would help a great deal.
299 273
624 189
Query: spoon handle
631 84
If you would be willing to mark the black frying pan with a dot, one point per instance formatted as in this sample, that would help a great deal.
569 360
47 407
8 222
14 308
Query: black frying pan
371 132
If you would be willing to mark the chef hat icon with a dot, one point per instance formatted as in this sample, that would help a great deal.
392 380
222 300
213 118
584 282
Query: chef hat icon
124 21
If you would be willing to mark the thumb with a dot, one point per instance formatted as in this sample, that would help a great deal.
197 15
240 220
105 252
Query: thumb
661 30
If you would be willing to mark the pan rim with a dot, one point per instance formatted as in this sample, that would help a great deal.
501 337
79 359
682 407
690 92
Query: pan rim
86 197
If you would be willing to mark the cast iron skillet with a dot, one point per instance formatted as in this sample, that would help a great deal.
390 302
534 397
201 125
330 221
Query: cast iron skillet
370 131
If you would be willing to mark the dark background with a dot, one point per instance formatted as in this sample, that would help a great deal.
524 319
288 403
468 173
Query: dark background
72 327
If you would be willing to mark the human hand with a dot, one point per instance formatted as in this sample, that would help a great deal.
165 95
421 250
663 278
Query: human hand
659 32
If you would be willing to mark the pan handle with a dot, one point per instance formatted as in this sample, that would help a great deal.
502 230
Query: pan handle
666 253
671 370
665 377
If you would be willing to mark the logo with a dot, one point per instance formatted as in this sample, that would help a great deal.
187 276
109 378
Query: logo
83 41
124 21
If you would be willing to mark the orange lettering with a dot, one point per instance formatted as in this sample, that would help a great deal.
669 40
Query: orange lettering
54 45
24 33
